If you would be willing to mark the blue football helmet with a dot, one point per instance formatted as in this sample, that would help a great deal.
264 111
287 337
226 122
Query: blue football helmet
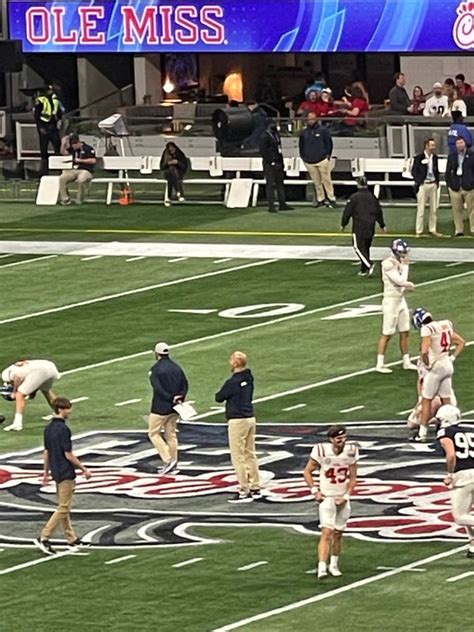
419 316
399 248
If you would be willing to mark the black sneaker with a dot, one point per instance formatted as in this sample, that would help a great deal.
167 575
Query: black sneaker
285 207
78 543
45 546
240 498
329 203
2 419
272 209
470 554
256 494
320 204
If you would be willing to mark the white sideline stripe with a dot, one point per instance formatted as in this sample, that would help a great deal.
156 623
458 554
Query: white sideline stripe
120 559
78 399
21 263
4 256
147 288
337 591
349 410
310 263
468 412
391 568
222 260
177 260
128 401
40 560
134 259
455 263
273 321
187 562
405 412
295 407
250 566
92 258
458 577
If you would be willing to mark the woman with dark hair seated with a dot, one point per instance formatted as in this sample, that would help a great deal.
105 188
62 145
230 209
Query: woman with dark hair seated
174 165
356 111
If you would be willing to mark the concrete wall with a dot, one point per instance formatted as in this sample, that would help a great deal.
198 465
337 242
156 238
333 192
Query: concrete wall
425 70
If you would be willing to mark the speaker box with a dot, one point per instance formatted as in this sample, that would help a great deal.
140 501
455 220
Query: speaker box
232 124
11 56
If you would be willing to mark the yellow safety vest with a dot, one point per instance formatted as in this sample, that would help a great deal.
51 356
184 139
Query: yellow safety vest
47 111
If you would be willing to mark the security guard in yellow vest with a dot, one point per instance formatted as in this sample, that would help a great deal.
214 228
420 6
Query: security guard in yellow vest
48 112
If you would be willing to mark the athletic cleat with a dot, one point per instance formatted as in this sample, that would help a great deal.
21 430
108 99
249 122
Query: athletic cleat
383 369
256 494
2 419
167 468
410 367
322 574
362 274
470 554
45 546
16 427
334 571
181 198
167 203
240 498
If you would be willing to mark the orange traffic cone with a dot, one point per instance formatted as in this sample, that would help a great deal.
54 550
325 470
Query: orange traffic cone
126 196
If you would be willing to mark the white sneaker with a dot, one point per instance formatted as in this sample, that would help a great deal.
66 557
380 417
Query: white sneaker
181 198
167 203
167 467
322 574
335 572
383 369
16 427
410 367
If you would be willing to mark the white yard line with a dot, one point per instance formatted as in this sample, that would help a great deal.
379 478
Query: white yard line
134 259
454 264
128 401
391 568
405 412
250 566
120 559
273 321
5 256
40 560
76 400
92 258
295 407
110 297
351 409
21 263
311 263
177 260
222 260
337 591
188 562
462 576
468 412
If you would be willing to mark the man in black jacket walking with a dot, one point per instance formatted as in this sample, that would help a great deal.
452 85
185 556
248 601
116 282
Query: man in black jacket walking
272 157
460 181
365 211
425 173
170 387
315 151
237 393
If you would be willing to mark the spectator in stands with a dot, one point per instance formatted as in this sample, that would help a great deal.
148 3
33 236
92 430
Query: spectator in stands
174 165
448 84
437 104
260 124
318 84
309 105
417 102
398 96
425 174
83 165
315 150
460 181
357 111
458 130
464 89
325 105
455 103
363 88
273 168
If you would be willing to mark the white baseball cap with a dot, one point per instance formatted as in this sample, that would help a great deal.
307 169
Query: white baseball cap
437 84
162 348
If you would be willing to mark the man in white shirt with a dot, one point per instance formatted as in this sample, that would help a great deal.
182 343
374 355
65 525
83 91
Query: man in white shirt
396 316
336 461
436 340
437 104
27 378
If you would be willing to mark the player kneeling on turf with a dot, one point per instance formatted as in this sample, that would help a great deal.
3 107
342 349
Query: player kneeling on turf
414 418
336 461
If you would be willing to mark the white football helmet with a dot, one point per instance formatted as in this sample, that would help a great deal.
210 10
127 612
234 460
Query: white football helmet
448 415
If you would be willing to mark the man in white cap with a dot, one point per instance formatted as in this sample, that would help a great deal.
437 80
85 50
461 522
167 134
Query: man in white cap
27 378
170 387
437 104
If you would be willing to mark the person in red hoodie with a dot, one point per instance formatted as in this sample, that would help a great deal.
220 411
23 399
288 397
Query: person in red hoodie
357 110
325 106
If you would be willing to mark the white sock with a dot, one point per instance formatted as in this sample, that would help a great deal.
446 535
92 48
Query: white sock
18 420
423 431
334 561
380 359
322 567
406 358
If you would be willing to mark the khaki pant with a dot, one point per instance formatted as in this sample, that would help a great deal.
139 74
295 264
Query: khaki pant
167 448
427 194
320 174
242 452
81 176
65 492
458 200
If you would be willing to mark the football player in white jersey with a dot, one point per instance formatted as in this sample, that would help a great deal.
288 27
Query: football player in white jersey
436 340
336 461
414 418
396 316
458 445
27 378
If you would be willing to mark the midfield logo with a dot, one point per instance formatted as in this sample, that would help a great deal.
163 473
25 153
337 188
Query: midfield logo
399 496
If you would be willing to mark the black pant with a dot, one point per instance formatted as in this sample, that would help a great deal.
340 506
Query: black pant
174 178
274 176
48 133
362 244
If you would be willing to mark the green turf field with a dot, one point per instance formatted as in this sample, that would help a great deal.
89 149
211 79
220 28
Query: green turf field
170 552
